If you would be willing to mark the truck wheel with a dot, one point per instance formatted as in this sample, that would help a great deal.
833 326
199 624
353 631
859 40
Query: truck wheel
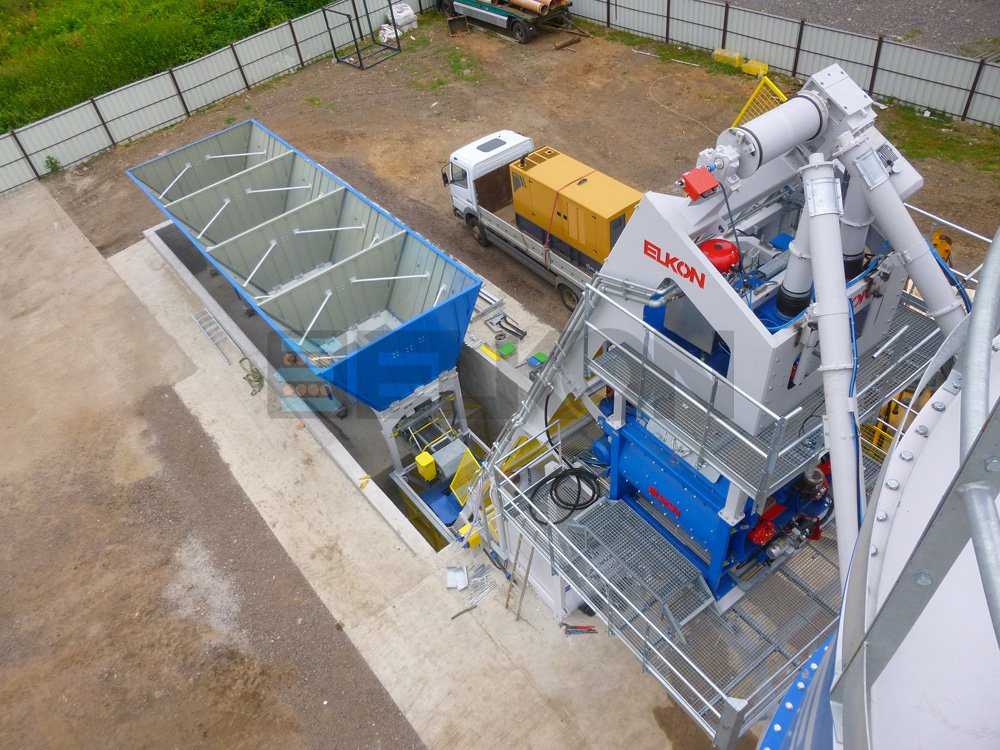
519 31
479 233
569 297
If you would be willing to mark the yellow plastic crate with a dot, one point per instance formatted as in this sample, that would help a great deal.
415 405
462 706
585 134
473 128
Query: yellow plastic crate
755 68
728 57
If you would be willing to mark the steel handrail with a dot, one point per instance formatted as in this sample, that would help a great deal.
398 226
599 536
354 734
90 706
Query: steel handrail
499 485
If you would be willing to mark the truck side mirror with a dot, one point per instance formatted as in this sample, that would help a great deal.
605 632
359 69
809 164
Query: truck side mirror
444 176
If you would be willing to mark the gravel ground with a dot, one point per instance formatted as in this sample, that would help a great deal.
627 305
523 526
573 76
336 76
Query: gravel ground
963 27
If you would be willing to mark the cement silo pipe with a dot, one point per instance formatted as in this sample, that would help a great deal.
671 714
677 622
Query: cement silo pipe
836 347
896 224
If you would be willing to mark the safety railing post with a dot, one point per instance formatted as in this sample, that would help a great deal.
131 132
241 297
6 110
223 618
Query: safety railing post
708 423
642 374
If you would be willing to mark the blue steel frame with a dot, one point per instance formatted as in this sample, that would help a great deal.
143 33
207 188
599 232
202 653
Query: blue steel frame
395 365
669 494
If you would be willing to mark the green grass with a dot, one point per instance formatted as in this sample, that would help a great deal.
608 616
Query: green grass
57 53
668 53
940 137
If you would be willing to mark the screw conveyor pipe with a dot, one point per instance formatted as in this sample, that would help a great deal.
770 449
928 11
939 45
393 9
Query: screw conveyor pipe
837 353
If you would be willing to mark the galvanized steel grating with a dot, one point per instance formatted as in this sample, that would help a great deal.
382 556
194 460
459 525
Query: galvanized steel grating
743 457
626 571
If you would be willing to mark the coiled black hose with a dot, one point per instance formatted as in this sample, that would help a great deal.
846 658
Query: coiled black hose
573 500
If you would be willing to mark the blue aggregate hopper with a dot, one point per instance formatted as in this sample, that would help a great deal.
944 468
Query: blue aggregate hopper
370 305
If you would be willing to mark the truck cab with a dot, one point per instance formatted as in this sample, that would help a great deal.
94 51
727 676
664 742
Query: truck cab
477 159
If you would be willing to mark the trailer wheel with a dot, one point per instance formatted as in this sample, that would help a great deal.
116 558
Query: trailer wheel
479 234
448 8
519 31
569 296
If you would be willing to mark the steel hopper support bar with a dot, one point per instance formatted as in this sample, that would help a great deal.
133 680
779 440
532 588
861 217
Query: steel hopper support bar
251 191
234 156
424 275
327 229
174 181
225 203
260 262
329 293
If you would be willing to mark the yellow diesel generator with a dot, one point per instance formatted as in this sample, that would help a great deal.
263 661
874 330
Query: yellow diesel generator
570 208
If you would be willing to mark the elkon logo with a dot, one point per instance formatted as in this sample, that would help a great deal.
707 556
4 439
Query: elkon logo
676 265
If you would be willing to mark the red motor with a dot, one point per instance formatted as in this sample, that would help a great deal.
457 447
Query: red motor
722 254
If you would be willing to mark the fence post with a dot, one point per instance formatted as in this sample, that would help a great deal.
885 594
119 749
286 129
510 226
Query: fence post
972 89
725 25
13 134
607 3
240 66
798 48
878 54
100 117
295 39
329 32
180 94
666 31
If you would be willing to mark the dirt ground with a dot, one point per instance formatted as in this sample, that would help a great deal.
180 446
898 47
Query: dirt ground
143 601
388 130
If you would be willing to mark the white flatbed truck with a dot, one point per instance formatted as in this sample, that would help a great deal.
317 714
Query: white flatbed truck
479 179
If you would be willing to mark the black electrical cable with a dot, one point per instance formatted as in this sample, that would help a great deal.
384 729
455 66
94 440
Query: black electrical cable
545 415
586 493
732 225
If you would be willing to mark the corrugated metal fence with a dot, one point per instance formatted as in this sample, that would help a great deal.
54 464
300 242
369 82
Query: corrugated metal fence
963 87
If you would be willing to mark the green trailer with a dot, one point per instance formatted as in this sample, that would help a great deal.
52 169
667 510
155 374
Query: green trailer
521 22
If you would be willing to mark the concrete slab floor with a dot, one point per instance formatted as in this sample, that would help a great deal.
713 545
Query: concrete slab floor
482 679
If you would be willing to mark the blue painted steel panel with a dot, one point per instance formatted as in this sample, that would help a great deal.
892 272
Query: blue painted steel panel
401 360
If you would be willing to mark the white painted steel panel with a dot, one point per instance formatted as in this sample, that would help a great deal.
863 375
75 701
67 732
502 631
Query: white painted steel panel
985 105
697 23
758 36
141 107
268 54
209 79
311 32
919 76
14 170
70 136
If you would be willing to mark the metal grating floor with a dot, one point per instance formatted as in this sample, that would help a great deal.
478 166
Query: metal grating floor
632 577
744 459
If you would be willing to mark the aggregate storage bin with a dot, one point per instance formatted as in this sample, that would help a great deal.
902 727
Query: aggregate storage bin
370 305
